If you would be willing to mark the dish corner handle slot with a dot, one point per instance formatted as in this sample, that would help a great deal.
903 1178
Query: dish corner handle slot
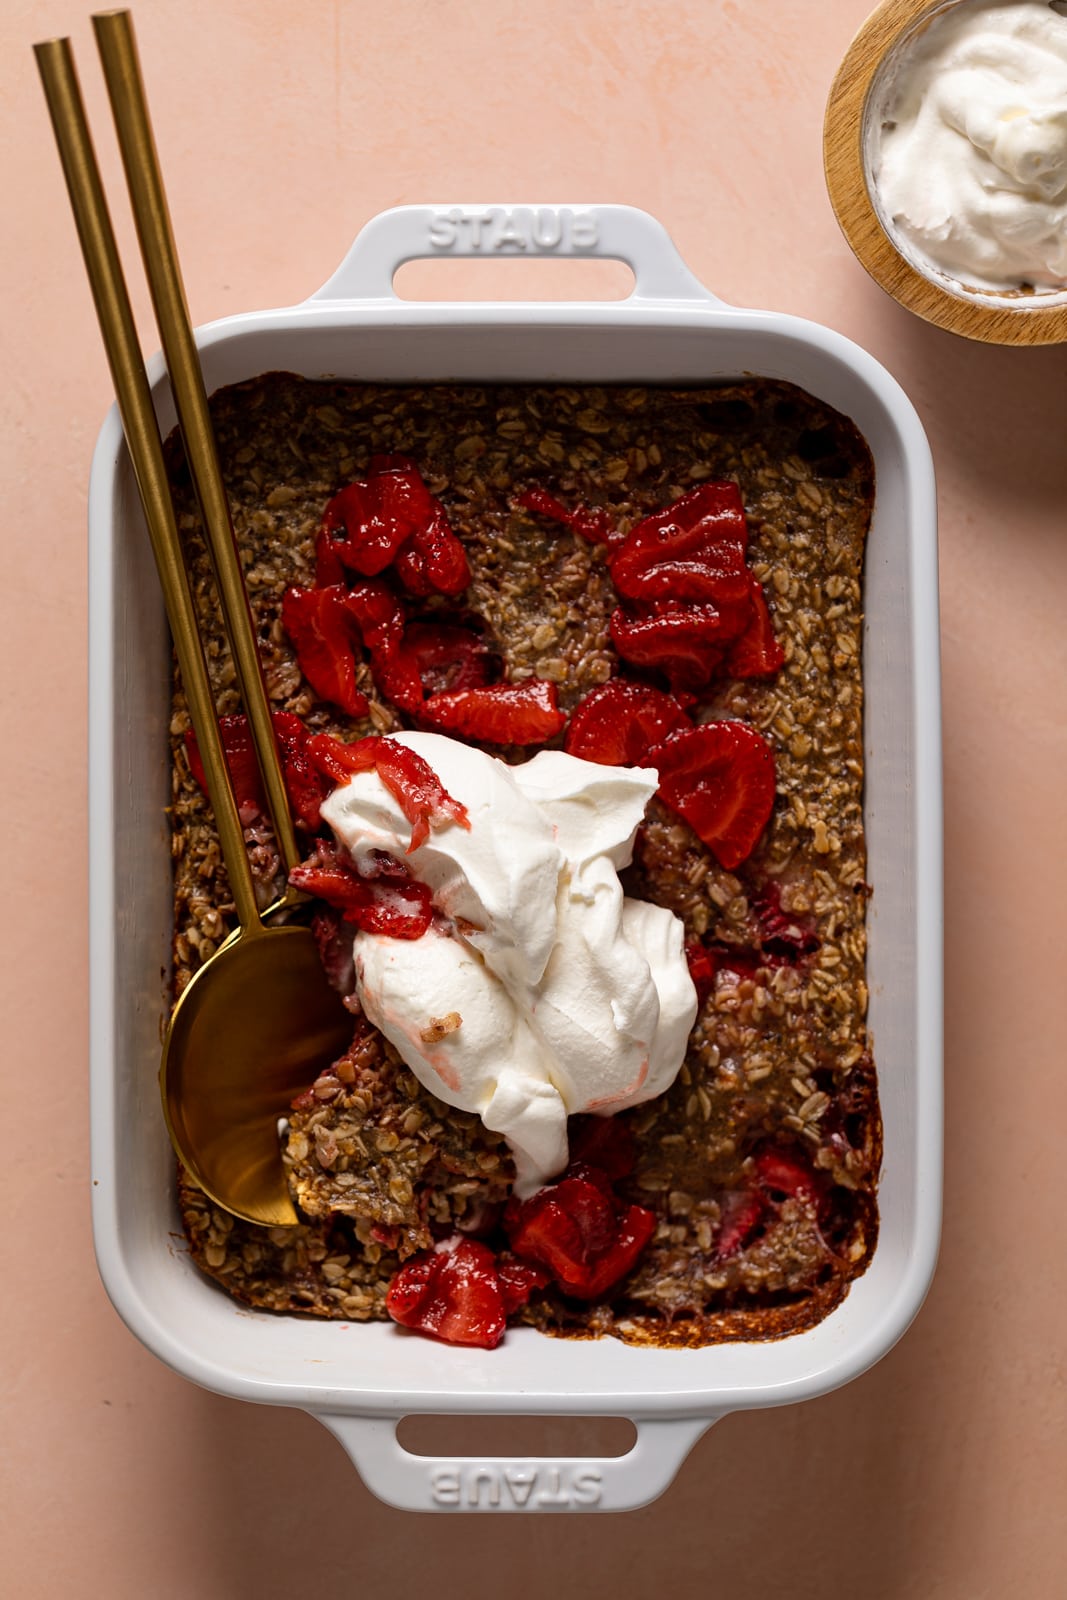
525 232
523 1484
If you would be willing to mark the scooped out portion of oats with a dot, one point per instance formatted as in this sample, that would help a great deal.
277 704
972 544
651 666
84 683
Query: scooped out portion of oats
642 577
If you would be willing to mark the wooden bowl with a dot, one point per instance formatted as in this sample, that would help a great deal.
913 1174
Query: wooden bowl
1000 317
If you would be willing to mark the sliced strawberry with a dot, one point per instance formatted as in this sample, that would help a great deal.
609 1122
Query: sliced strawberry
585 1193
636 1227
741 1214
500 713
596 524
432 560
518 1280
783 1173
618 721
377 613
305 786
541 1230
379 617
329 569
452 1294
603 1142
369 520
411 781
446 656
567 1225
757 653
241 764
391 518
333 940
720 777
394 906
685 643
319 624
396 910
685 550
574 1229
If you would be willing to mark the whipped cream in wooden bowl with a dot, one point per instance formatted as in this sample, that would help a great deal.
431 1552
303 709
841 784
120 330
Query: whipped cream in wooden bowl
967 145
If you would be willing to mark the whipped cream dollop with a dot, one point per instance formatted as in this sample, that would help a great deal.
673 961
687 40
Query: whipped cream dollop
541 990
969 160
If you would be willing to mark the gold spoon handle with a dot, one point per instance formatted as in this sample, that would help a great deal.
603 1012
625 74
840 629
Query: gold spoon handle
55 63
118 54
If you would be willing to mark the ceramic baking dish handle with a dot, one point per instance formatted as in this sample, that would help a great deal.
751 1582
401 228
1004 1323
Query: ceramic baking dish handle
617 233
471 1483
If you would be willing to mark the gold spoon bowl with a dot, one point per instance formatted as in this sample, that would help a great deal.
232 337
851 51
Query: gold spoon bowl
252 1028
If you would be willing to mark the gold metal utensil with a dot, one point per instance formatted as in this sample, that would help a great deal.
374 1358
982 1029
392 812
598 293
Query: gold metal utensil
259 1020
125 87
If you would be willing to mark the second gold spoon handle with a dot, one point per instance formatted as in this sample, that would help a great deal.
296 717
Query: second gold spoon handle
125 86
55 63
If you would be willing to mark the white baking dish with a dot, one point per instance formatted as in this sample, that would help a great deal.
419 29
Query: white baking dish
359 1380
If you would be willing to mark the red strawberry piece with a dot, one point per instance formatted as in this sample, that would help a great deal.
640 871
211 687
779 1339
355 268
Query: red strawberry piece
305 785
683 551
387 518
585 1193
369 520
720 778
741 1215
499 713
595 524
686 644
452 1294
320 626
782 1173
636 1227
518 1280
603 1142
410 780
398 907
333 939
377 613
783 937
339 760
541 1230
702 964
446 656
567 1224
396 910
241 764
379 616
575 1230
618 721
432 560
329 569
757 653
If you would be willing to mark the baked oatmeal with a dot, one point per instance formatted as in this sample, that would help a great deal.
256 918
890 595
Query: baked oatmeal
757 1169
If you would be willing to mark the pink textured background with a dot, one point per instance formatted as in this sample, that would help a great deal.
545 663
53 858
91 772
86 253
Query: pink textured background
282 128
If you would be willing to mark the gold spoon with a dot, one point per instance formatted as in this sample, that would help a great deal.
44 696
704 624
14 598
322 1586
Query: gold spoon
259 1020
129 105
